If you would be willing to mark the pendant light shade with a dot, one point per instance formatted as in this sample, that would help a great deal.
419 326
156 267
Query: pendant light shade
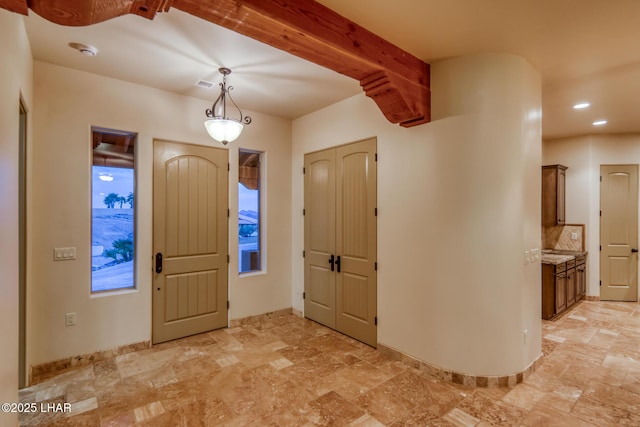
224 131
221 127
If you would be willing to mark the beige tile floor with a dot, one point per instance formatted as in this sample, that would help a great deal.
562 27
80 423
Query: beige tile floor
289 371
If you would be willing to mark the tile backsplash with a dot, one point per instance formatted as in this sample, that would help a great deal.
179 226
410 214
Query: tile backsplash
561 237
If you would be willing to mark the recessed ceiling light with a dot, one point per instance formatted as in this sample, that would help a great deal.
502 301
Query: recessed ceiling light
581 105
599 122
84 49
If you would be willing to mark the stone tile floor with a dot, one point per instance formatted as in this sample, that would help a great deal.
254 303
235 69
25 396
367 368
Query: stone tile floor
288 371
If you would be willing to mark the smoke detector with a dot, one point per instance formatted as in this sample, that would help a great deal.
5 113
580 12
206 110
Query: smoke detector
85 49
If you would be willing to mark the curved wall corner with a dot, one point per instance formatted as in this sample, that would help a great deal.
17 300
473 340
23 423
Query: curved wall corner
458 203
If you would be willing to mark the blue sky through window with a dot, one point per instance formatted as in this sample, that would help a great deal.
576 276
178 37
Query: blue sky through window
122 184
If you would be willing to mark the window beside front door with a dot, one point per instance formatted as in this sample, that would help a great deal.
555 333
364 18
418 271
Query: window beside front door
249 213
113 183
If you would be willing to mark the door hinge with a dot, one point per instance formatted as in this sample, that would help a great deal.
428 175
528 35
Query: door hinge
304 295
375 320
228 259
376 157
600 282
228 213
304 212
304 170
228 305
228 167
600 178
600 247
303 254
600 213
375 211
375 266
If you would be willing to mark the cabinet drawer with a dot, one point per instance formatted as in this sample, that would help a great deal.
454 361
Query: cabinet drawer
571 263
561 267
581 260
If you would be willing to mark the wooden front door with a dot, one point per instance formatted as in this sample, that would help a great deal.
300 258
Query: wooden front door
341 239
619 232
190 233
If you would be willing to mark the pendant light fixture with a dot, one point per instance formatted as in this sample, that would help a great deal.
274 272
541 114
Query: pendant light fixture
219 126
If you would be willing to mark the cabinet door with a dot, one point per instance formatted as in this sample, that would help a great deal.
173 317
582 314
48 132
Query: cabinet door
561 292
581 280
553 195
571 287
560 204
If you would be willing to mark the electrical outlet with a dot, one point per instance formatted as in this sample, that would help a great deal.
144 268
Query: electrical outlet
524 336
574 236
70 319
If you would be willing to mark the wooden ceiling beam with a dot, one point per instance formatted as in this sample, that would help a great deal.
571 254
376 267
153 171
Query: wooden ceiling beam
397 81
17 6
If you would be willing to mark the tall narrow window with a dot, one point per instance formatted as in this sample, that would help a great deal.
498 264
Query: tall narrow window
249 217
112 210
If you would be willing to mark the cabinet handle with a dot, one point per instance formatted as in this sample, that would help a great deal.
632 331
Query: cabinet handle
338 263
332 262
634 250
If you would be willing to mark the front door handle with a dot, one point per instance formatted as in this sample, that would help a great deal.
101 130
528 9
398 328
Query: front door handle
338 263
159 262
332 261
634 250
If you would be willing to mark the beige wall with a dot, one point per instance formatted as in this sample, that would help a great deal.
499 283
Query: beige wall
16 81
270 289
68 103
459 202
584 155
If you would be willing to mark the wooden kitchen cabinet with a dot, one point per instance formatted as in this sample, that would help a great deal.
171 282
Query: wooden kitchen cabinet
563 285
553 195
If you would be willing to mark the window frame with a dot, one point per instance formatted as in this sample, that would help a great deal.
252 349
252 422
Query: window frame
261 215
134 281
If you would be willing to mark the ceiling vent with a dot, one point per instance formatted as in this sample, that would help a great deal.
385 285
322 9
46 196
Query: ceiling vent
204 84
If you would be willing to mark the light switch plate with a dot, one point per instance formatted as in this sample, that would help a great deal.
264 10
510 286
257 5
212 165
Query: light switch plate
64 254
535 254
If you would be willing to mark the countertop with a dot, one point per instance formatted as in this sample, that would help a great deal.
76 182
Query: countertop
555 257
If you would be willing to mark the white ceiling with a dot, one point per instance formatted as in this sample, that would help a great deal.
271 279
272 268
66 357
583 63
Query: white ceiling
584 50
